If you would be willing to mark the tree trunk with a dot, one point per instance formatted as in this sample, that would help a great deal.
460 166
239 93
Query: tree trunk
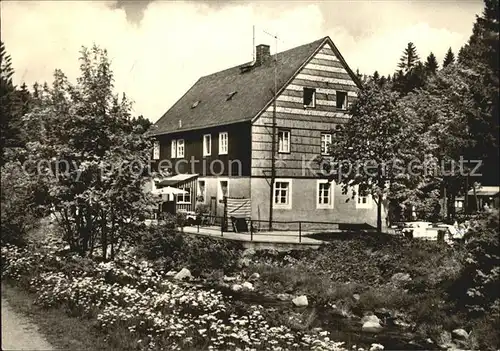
475 197
379 214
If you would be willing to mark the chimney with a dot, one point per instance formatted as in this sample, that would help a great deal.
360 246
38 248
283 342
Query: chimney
263 54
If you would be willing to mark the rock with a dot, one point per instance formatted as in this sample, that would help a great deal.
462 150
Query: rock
370 318
171 273
184 273
229 279
400 278
283 297
356 297
401 324
236 287
254 276
460 334
376 347
247 286
300 301
371 327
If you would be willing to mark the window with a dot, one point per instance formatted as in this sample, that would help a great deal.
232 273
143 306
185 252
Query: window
177 148
184 198
341 100
283 141
363 199
309 97
326 140
207 145
324 194
223 189
173 149
283 193
180 148
202 191
156 150
223 146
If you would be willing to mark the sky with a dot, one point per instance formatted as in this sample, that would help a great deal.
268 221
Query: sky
159 49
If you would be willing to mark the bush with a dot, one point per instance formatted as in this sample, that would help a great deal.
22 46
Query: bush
197 253
478 286
17 201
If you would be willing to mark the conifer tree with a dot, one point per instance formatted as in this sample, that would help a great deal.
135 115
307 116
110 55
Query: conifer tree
431 64
409 58
449 58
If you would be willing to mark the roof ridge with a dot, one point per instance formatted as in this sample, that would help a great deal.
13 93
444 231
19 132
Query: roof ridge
281 52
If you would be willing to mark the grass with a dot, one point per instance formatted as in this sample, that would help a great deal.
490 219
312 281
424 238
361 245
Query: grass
62 331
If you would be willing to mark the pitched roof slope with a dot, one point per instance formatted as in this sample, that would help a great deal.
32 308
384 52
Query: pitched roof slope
254 90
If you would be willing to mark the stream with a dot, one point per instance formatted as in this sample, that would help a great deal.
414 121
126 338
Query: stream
341 328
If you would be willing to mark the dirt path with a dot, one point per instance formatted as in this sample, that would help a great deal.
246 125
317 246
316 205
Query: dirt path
18 333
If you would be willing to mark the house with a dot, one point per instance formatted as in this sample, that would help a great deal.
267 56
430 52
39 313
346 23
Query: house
221 132
479 199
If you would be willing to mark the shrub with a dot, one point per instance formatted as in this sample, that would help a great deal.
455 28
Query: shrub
478 286
17 205
198 253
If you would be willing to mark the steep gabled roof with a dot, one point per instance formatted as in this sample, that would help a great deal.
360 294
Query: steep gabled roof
230 96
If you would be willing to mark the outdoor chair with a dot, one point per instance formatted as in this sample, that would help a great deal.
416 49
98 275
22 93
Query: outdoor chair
239 225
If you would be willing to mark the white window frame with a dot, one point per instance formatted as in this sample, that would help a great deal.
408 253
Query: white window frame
198 189
207 145
223 143
219 188
288 205
190 192
180 147
173 148
156 149
327 141
281 145
329 205
367 204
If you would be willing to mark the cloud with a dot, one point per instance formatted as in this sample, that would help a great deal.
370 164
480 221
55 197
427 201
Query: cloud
169 45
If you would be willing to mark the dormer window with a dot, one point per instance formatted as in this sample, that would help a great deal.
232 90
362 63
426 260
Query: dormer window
230 95
309 98
196 103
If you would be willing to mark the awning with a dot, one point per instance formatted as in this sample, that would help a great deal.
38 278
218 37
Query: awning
168 190
486 191
176 179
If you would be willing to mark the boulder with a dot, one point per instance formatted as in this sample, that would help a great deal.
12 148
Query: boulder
400 278
356 297
229 279
255 276
376 347
236 287
370 318
247 285
171 273
460 334
300 301
184 273
371 327
283 297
